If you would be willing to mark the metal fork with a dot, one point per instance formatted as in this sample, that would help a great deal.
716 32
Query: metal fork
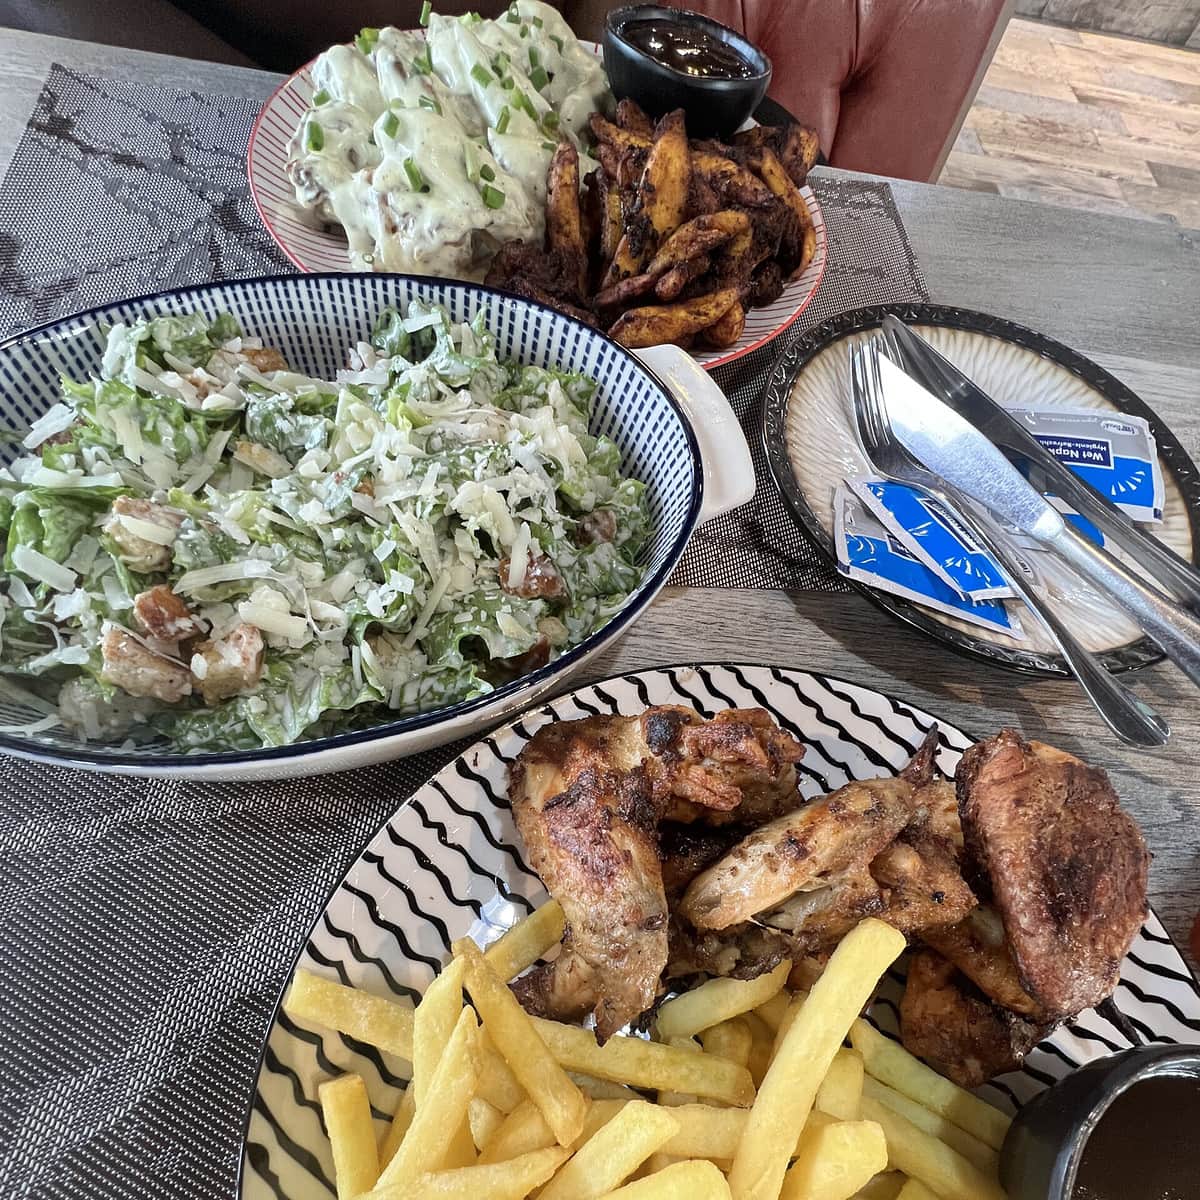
1131 719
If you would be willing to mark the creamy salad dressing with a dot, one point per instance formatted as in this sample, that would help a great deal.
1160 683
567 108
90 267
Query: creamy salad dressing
432 150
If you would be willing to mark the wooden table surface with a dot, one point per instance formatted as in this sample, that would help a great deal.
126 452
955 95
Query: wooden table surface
1125 292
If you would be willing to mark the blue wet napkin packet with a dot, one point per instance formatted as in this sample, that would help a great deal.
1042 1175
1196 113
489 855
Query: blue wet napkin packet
1112 452
934 536
869 553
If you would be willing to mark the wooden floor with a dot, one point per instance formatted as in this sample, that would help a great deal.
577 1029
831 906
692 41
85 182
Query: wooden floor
1086 120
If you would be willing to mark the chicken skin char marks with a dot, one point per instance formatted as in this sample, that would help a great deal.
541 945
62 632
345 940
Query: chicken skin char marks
588 797
680 849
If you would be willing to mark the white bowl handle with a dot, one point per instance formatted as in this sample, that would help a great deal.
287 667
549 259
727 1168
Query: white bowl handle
724 455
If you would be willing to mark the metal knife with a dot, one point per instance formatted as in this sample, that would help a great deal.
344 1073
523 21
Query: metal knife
1173 573
934 434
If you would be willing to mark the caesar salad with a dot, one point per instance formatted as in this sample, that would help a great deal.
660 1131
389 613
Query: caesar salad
207 546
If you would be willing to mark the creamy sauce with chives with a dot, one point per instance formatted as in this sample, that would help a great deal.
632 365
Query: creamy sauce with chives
431 149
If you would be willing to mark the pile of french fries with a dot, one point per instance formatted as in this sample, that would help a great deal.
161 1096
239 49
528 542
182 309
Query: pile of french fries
674 239
746 1090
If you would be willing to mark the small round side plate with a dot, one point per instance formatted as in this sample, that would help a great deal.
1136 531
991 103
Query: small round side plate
811 448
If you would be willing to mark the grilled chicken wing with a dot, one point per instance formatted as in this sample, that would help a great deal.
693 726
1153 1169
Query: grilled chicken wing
802 851
945 1020
1067 865
588 796
922 883
584 804
739 952
977 946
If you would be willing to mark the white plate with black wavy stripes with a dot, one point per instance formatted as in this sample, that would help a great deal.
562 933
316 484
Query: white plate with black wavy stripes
323 248
449 864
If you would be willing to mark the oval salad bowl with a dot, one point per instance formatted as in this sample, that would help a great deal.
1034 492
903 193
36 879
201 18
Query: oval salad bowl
330 507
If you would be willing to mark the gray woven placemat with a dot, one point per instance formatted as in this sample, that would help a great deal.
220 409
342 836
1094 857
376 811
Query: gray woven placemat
147 927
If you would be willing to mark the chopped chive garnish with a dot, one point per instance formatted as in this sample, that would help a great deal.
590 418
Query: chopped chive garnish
391 125
486 172
551 146
321 97
501 62
423 64
426 9
524 31
502 120
481 75
539 78
314 139
550 122
557 41
522 101
538 22
533 56
513 17
493 197
430 103
366 39
414 175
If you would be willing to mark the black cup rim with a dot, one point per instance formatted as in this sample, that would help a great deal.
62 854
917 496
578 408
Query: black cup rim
618 18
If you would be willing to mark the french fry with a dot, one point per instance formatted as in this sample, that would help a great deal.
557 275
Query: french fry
527 941
671 1098
602 1089
886 1186
717 1001
914 1189
890 1063
522 1131
697 1180
511 1180
761 1047
706 1132
513 1033
667 174
921 1156
789 1017
724 332
433 1024
401 1120
655 324
613 1153
347 1113
730 1039
841 1091
425 1145
497 1084
484 1119
648 1065
387 1024
773 1010
835 1160
785 1099
969 1146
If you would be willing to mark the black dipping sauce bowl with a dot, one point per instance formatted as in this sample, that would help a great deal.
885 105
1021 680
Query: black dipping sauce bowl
1045 1145
715 107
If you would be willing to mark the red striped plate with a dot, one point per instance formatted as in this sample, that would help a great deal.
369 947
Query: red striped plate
324 248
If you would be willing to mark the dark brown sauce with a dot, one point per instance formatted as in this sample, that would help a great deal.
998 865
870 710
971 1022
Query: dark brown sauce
687 47
1147 1145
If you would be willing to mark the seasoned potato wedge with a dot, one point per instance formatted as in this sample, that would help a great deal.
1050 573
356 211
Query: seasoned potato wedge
698 236
733 182
668 171
725 331
672 282
632 117
564 221
766 163
624 139
655 324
